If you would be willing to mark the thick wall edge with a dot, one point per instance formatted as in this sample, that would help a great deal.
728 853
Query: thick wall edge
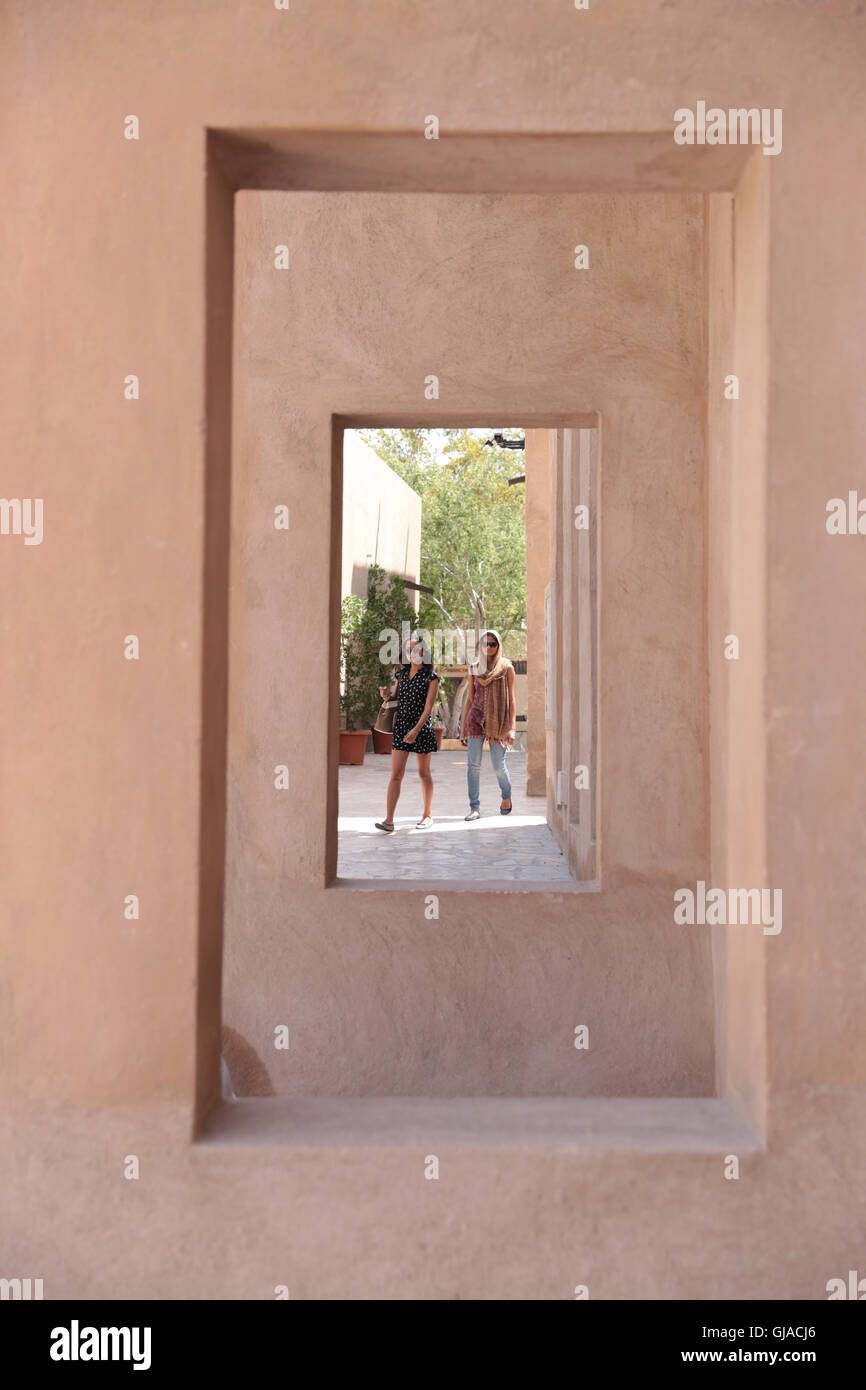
549 1123
347 160
388 161
219 281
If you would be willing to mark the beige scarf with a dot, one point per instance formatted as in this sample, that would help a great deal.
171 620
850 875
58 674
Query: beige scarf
497 709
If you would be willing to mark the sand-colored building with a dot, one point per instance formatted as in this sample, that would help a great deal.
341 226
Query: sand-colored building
381 520
173 392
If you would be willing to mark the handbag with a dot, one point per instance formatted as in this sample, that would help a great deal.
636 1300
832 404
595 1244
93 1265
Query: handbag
385 718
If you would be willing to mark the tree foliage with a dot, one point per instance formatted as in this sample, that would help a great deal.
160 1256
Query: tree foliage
473 547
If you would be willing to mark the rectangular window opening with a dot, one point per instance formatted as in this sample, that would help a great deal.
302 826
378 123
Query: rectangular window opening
442 534
281 846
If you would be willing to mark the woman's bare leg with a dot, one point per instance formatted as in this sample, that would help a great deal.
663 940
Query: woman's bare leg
426 781
426 774
398 767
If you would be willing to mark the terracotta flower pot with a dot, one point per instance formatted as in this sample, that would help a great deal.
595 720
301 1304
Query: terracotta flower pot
439 731
353 744
382 743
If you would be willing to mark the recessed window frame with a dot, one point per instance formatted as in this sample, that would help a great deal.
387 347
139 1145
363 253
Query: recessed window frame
581 852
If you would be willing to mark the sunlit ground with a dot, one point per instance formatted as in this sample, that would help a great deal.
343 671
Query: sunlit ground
519 846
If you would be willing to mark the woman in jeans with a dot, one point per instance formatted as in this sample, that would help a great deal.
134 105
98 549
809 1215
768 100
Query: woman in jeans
490 712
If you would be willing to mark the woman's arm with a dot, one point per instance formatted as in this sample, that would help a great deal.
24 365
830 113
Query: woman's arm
512 705
432 692
467 705
388 692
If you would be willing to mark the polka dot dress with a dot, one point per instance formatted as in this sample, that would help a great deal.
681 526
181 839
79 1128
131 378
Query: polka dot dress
412 697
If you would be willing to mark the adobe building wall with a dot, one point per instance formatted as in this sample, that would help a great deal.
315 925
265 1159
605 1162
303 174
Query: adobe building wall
537 575
737 372
111 1028
382 290
381 519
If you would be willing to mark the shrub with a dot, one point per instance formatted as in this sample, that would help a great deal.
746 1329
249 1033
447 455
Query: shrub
363 620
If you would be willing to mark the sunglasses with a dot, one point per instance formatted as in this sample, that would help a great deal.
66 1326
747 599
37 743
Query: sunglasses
491 644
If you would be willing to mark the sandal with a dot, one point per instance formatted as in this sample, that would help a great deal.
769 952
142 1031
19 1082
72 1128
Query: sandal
385 825
506 810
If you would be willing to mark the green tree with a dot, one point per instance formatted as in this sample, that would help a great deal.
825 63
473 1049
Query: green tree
473 545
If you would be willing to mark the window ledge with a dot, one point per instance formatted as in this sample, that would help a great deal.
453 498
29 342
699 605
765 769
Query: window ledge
550 1123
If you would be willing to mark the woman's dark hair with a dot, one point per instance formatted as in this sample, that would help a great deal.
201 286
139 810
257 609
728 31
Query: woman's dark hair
427 666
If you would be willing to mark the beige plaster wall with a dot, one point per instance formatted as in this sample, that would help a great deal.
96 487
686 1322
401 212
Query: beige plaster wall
381 519
537 573
343 333
109 1027
737 296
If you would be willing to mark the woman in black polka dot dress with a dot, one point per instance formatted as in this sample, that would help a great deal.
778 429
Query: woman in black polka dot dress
415 688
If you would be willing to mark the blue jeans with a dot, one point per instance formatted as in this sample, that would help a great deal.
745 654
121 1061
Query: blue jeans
473 770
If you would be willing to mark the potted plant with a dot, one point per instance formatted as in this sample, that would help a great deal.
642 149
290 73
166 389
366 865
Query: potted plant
364 623
382 742
438 727
353 746
355 700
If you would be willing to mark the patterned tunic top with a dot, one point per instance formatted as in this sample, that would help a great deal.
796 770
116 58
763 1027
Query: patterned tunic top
475 715
474 726
412 697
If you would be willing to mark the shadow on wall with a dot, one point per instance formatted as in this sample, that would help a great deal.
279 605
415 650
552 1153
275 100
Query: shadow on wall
359 579
249 1075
